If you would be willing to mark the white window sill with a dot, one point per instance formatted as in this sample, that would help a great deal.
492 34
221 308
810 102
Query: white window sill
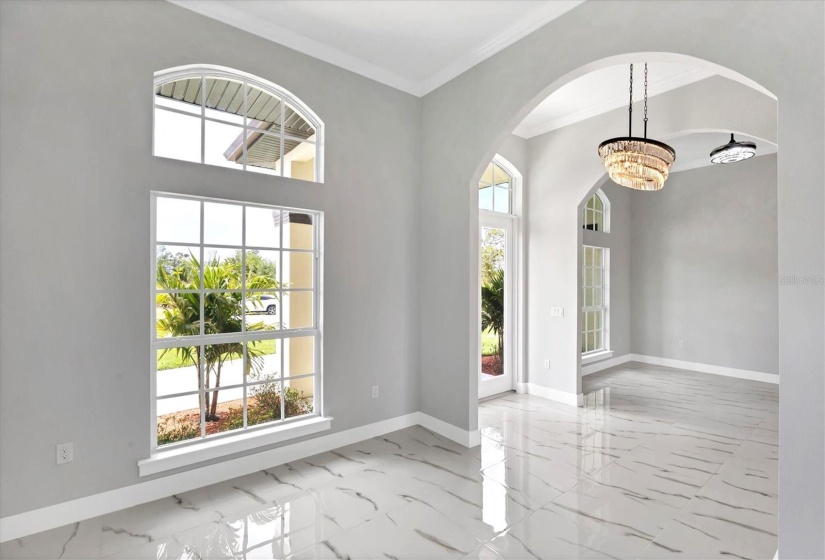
596 356
165 460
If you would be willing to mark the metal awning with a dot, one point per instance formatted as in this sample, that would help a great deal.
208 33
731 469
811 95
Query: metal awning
264 113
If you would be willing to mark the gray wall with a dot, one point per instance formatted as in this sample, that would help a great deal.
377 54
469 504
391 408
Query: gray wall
76 170
564 170
704 267
618 241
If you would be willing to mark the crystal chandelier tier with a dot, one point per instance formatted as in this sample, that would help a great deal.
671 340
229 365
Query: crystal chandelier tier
637 163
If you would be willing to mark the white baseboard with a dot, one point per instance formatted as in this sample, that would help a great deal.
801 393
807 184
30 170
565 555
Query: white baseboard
551 394
707 368
604 364
58 515
464 437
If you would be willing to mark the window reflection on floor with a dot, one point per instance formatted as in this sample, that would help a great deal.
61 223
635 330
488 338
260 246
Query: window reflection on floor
494 495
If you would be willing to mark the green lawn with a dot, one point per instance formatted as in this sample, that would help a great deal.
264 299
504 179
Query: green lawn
171 360
489 343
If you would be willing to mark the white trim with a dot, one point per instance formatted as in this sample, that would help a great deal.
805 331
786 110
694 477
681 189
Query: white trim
488 385
230 15
58 515
563 397
203 70
596 356
201 449
530 23
167 460
605 212
604 364
708 368
514 251
464 437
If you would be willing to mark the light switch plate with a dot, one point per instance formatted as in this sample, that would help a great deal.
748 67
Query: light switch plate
557 311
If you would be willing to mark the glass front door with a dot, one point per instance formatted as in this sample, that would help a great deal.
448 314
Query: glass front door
495 315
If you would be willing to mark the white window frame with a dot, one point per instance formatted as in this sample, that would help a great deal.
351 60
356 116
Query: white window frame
207 70
503 165
605 212
204 447
515 327
604 308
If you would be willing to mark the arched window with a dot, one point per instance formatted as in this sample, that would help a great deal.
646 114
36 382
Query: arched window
220 116
596 213
495 189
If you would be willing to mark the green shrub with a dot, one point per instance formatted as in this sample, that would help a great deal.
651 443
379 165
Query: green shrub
232 419
295 403
267 403
175 430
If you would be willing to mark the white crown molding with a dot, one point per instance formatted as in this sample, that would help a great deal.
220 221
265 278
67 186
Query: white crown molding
672 82
224 12
516 32
230 15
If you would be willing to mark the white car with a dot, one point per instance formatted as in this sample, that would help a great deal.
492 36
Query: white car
266 303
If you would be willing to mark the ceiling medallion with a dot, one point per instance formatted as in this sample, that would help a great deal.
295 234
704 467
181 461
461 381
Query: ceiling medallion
733 151
637 163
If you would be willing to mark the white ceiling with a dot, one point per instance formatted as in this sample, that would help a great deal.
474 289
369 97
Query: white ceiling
605 90
693 150
412 45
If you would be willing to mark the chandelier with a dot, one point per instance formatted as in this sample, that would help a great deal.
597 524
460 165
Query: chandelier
733 151
637 163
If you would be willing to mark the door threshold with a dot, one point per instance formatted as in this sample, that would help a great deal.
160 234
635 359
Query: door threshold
497 395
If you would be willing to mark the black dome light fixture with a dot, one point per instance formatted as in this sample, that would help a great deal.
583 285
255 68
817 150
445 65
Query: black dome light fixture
633 162
733 151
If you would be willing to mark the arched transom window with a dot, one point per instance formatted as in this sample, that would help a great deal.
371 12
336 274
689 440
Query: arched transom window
596 213
219 116
495 189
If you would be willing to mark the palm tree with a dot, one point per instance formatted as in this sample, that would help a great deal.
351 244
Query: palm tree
492 308
222 314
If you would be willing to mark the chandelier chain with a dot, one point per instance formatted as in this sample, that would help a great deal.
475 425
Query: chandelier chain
630 105
645 99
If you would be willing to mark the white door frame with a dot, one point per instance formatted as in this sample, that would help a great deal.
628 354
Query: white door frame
508 381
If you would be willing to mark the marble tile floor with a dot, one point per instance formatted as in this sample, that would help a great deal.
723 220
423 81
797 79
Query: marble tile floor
659 463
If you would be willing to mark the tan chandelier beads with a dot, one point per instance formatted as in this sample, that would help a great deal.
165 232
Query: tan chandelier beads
637 163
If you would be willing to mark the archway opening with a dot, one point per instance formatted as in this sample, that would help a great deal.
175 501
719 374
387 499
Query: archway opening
579 288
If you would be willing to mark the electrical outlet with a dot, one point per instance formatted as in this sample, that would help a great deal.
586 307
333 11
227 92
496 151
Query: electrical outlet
546 364
64 453
375 391
681 343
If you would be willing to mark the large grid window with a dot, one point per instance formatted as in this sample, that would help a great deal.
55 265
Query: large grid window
495 190
594 298
596 213
235 338
222 117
